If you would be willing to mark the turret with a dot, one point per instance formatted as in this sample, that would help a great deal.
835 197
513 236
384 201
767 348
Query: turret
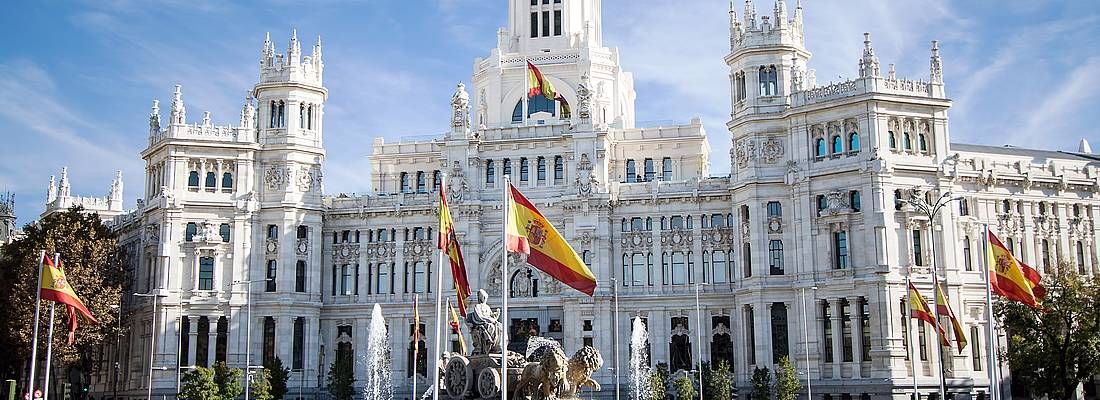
868 65
114 196
277 68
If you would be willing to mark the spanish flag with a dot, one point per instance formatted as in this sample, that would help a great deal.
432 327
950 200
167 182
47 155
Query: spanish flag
529 232
1011 278
455 328
416 329
918 308
55 287
448 242
943 307
538 84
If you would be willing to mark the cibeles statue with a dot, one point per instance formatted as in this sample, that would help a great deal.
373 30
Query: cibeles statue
484 326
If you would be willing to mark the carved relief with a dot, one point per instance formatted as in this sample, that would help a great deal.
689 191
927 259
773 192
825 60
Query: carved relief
275 177
345 252
457 186
305 179
637 240
677 239
379 251
418 248
771 150
271 246
744 151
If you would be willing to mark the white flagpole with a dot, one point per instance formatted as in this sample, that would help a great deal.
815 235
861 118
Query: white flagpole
439 296
34 339
416 344
49 338
909 330
991 337
526 90
504 323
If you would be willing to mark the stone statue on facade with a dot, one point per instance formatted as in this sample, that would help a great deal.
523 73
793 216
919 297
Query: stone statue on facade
460 108
484 325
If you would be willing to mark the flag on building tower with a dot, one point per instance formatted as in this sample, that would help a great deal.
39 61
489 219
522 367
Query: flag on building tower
943 307
448 242
529 232
919 309
1010 278
538 84
55 287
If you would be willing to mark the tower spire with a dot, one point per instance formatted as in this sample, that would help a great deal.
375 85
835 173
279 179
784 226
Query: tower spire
780 14
154 118
116 188
735 27
179 112
247 112
294 49
63 187
317 50
51 192
750 14
936 64
868 65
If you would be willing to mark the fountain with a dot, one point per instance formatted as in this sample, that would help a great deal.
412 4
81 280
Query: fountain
378 382
639 360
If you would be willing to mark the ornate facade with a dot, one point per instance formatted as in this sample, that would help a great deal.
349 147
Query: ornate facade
801 251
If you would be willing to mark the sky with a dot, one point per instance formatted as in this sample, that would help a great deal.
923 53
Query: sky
77 78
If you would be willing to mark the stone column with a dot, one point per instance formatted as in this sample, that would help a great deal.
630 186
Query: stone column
838 334
359 336
212 337
855 317
192 340
765 349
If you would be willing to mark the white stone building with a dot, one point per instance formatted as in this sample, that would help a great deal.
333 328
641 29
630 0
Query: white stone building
812 223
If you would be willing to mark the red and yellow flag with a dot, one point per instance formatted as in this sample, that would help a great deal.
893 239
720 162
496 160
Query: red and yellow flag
538 84
1011 278
55 287
529 232
919 309
455 328
416 328
448 242
943 307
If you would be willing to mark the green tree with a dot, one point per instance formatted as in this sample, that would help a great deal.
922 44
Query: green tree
787 384
228 380
198 384
684 387
718 380
261 386
279 376
93 264
761 383
1054 349
341 379
658 383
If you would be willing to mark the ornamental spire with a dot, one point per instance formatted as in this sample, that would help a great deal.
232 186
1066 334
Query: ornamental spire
936 64
179 112
868 65
780 14
154 118
294 49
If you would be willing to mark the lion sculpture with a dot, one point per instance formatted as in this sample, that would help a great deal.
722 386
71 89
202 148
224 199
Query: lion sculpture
555 377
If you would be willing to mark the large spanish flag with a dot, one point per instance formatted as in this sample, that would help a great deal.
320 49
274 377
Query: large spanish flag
919 309
55 287
538 84
529 232
1011 278
943 307
448 242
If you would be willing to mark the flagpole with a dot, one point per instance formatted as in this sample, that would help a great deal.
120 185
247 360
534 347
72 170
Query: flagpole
909 333
504 282
526 89
935 303
34 340
439 296
49 337
994 385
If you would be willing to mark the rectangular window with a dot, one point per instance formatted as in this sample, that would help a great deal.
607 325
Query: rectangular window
775 209
975 348
221 340
404 182
421 182
545 23
269 340
775 257
383 283
490 172
780 345
355 280
541 166
649 169
905 327
202 342
345 279
507 169
846 329
206 273
272 269
300 277
524 173
922 342
298 357
967 260
746 263
679 272
750 336
840 250
185 341
865 330
631 172
559 168
557 22
827 331
1081 257
666 169
535 24
918 251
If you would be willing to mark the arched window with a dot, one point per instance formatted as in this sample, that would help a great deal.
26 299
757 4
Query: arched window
193 179
775 257
923 144
906 141
666 169
720 272
190 231
421 182
211 180
517 113
541 172
206 273
853 141
302 115
559 168
893 141
227 181
309 117
820 145
404 182
524 172
967 261
507 167
768 81
436 180
490 172
838 145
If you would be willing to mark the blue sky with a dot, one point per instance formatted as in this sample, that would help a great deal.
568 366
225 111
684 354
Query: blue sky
77 77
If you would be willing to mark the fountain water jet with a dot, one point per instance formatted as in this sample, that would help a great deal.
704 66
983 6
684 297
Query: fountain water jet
378 382
639 360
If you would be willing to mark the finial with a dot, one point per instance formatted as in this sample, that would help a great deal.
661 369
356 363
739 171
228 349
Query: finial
869 65
51 192
294 34
893 73
1084 147
936 64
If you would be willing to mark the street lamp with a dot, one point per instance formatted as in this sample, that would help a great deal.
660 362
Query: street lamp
118 344
615 331
806 340
932 210
248 332
699 335
152 340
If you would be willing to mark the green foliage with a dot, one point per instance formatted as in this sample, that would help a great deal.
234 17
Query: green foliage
279 376
658 383
1054 349
228 381
341 379
198 384
684 387
261 385
761 383
787 384
718 380
93 265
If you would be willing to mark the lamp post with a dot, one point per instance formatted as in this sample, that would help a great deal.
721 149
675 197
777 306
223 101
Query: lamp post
806 340
248 332
118 343
152 340
699 336
615 331
932 211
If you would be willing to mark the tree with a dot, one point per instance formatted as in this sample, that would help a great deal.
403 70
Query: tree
787 384
1053 349
658 383
684 387
198 384
718 380
761 383
279 376
261 387
341 378
228 380
93 264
